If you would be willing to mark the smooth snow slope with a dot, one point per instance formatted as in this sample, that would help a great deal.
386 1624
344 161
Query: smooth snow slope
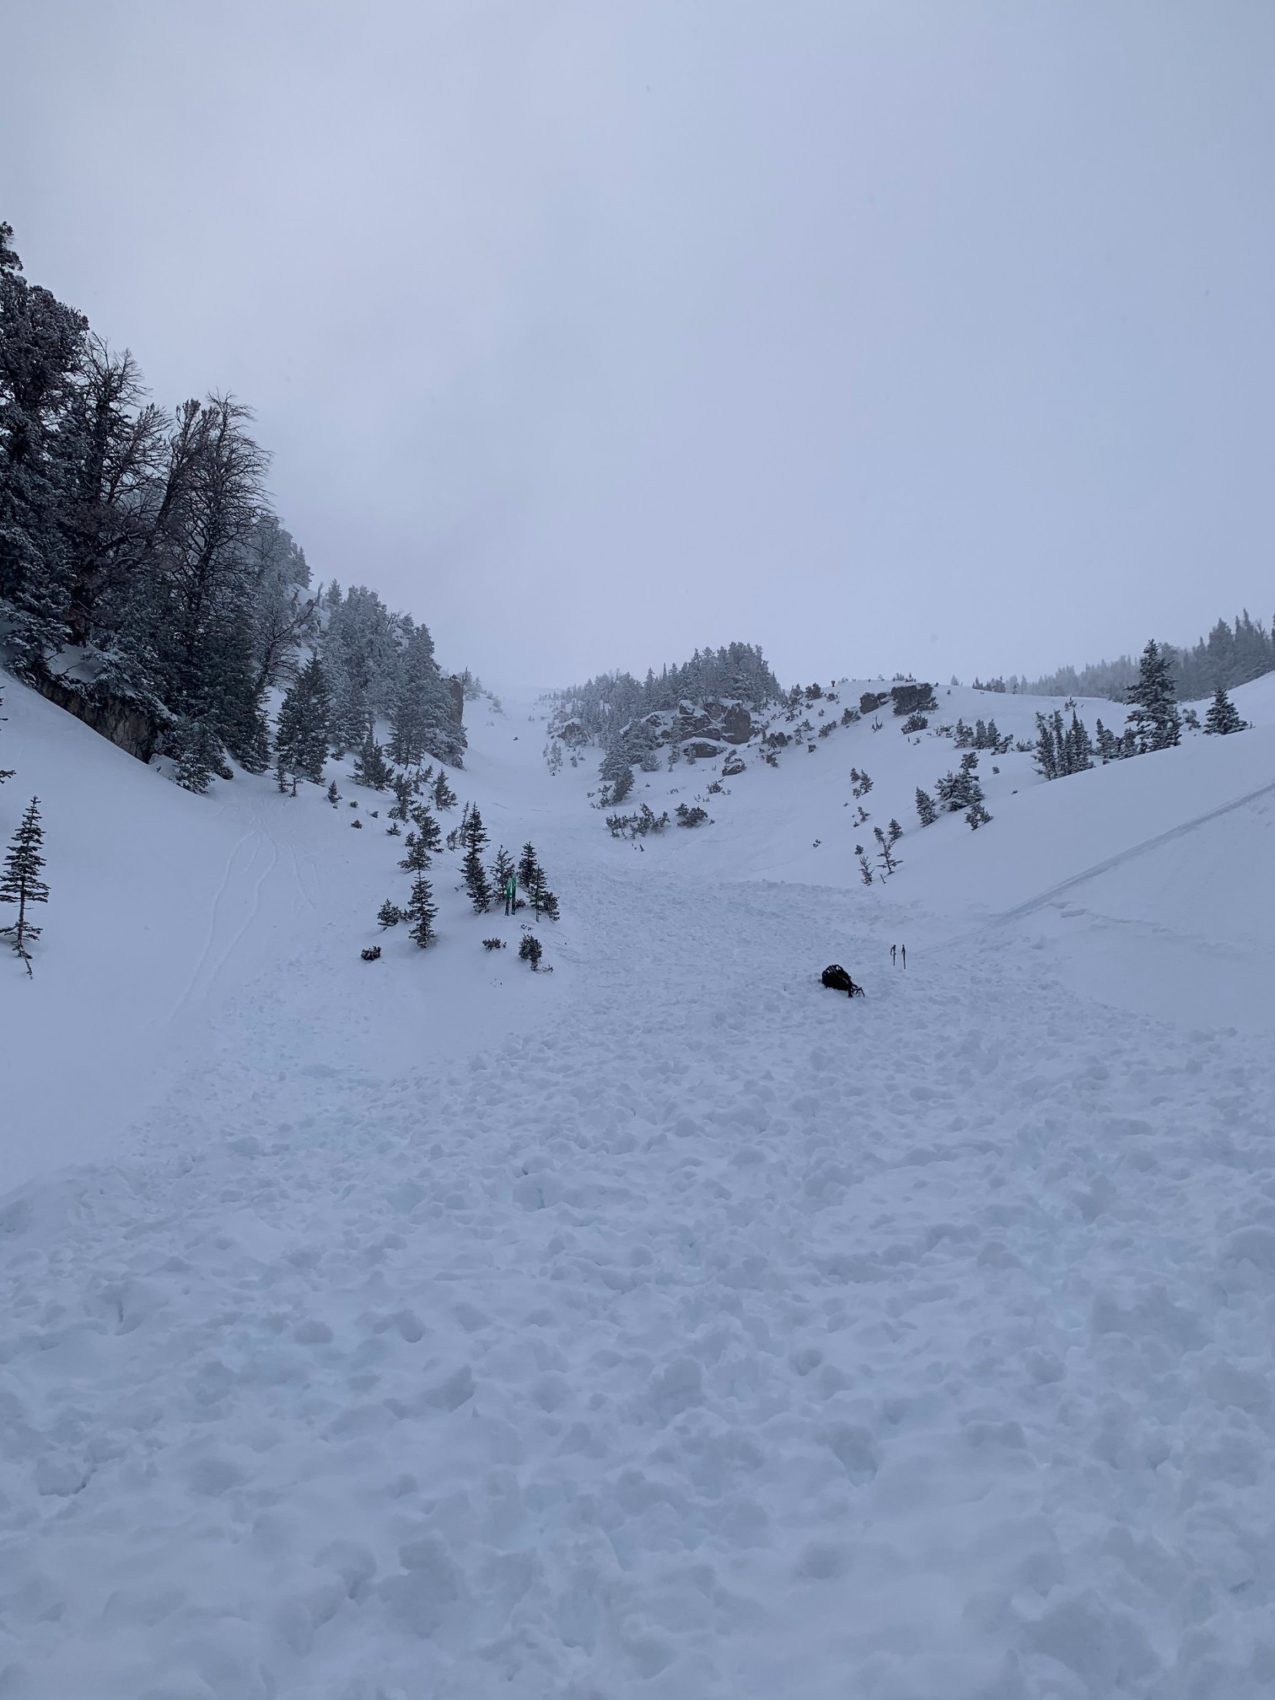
666 1326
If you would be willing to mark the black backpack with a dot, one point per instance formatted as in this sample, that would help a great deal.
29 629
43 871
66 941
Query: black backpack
835 977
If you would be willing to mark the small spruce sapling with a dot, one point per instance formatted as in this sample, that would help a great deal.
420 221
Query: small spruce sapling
530 950
20 881
389 915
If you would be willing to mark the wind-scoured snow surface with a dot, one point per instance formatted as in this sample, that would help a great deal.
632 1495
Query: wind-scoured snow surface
667 1326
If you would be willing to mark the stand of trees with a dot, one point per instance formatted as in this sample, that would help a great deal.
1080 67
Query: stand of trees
605 704
1232 654
140 539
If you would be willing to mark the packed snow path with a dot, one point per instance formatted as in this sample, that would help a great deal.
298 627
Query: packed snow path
666 1327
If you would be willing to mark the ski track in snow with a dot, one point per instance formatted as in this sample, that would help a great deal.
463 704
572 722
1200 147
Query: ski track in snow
1020 910
726 1339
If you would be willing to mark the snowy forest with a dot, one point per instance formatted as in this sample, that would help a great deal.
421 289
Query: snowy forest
603 706
1232 654
143 571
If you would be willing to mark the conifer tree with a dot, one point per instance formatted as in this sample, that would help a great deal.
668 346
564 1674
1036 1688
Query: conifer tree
427 829
1155 721
1110 747
925 807
370 766
389 915
421 912
528 866
1046 749
961 790
530 950
302 736
1223 717
199 758
334 796
444 796
20 880
501 869
616 773
543 901
415 855
473 872
1078 746
895 831
402 796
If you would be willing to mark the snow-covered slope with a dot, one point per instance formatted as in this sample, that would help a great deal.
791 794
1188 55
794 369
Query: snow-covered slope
1146 878
667 1326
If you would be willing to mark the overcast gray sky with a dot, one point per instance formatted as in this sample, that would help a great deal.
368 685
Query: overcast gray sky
934 337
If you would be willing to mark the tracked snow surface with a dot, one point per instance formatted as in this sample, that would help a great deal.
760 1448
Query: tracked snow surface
666 1326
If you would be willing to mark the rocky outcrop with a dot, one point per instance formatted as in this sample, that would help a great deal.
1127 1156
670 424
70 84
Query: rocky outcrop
699 750
122 722
871 701
733 764
729 723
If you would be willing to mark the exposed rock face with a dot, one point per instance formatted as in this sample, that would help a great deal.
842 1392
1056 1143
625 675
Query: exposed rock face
122 722
730 723
871 701
699 750
457 689
737 724
733 764
573 735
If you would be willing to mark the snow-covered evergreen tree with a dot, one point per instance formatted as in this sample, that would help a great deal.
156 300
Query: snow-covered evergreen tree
421 912
301 738
427 828
473 871
41 347
389 915
961 790
1154 719
616 774
1223 717
415 856
444 796
21 882
501 868
370 767
198 755
528 866
925 808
